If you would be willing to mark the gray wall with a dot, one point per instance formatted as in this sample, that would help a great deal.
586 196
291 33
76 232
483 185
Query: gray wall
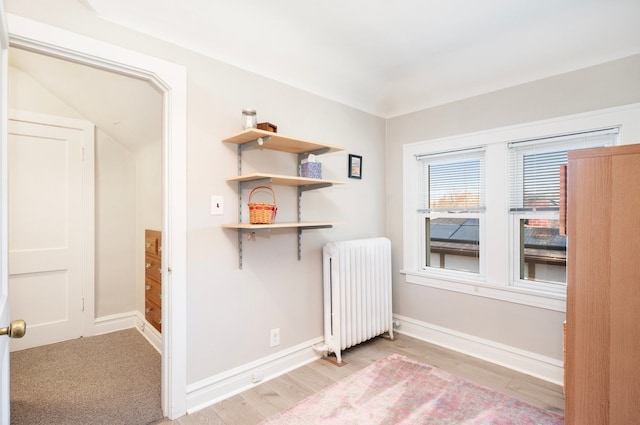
533 329
230 312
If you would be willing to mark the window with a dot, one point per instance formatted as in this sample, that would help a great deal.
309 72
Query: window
502 239
451 206
539 244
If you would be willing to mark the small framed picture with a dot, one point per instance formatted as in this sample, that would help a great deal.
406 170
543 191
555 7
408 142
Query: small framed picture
355 166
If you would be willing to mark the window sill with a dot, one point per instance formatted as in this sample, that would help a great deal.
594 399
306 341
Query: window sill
546 300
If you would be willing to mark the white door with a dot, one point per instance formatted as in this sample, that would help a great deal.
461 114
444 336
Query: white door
45 185
4 294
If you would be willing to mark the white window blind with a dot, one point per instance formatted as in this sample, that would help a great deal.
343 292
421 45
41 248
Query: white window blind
451 181
535 167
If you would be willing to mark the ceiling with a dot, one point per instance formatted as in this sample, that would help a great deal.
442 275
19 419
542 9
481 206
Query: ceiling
127 109
383 57
392 57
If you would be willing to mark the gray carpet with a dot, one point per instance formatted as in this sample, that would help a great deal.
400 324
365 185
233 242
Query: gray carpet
107 379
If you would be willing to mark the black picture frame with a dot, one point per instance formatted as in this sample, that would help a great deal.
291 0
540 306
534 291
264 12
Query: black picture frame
355 166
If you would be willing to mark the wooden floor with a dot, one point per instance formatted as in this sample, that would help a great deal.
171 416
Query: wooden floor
269 398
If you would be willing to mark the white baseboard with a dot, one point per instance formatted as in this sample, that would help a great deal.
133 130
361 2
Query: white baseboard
224 385
148 331
543 367
122 321
114 323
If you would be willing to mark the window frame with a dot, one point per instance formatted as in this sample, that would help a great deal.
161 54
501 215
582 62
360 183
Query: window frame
516 281
497 280
425 210
518 151
453 273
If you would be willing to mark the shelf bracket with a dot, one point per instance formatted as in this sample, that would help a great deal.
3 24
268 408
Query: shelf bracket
251 235
253 231
305 155
300 229
239 214
240 250
241 148
253 143
256 182
314 186
299 219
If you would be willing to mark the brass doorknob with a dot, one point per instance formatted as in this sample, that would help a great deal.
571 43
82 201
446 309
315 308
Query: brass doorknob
16 329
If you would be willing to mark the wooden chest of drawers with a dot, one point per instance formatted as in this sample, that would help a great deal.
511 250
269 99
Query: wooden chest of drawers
153 278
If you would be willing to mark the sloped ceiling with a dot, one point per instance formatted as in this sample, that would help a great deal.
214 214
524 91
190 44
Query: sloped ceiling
392 57
128 109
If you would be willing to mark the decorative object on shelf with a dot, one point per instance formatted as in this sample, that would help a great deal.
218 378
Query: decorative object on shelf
249 118
355 166
267 126
262 212
310 167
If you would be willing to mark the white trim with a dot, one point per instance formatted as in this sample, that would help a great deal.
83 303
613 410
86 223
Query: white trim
497 283
114 323
517 295
543 367
171 80
5 416
148 331
234 381
132 319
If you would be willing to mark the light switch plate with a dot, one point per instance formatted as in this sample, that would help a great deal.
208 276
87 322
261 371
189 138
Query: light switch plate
217 205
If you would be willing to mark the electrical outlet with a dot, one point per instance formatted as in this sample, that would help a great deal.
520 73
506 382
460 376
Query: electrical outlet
257 377
217 205
275 337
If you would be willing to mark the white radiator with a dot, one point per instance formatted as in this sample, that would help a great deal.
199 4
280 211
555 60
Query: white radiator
357 292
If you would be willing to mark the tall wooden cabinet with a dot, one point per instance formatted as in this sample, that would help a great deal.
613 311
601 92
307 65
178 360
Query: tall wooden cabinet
603 288
153 278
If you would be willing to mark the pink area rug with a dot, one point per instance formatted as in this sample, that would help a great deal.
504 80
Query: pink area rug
400 391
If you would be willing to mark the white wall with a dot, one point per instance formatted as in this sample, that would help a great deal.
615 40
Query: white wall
26 94
116 242
532 329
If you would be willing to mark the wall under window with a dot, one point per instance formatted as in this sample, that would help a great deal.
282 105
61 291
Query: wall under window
533 328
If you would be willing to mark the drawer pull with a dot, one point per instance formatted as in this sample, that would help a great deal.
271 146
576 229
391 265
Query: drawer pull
147 310
147 287
147 265
148 244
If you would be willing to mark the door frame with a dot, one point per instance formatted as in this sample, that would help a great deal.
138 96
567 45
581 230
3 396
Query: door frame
171 80
4 240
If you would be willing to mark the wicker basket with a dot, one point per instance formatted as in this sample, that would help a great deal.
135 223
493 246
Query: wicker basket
262 212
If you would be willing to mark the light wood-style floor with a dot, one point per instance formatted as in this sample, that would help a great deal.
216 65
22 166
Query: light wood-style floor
272 397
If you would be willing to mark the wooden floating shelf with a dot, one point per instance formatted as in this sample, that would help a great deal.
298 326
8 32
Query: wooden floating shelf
278 142
255 139
295 224
282 180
